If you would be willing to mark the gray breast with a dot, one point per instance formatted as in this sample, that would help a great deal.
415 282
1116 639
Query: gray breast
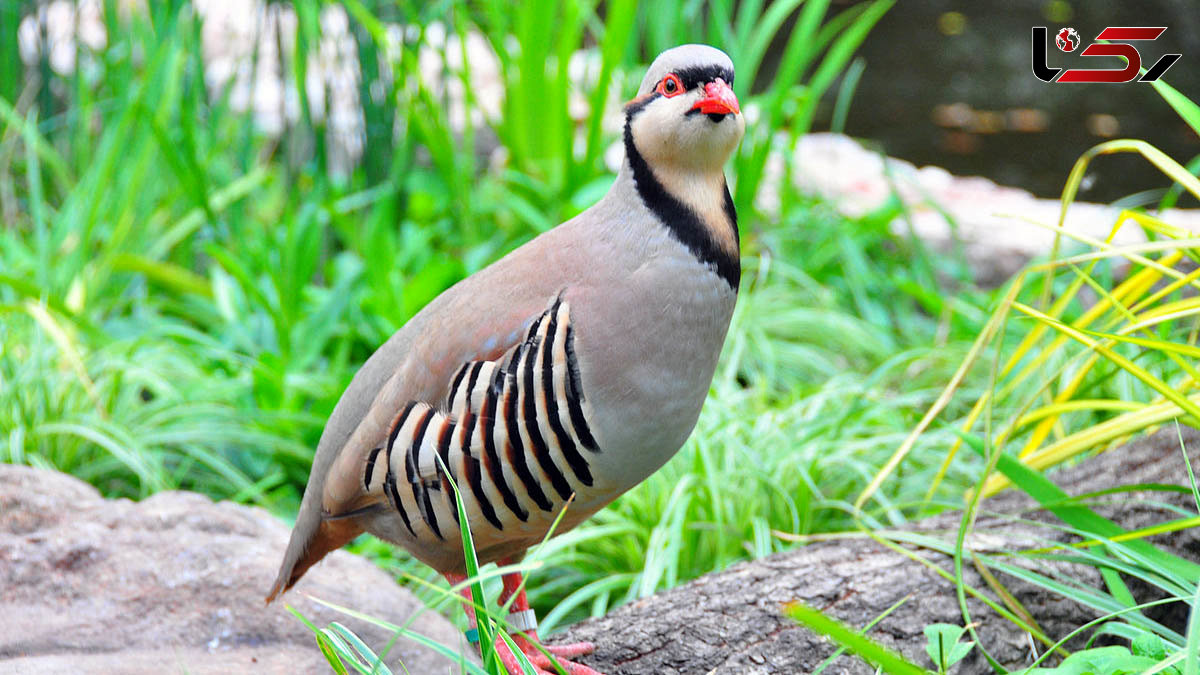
648 355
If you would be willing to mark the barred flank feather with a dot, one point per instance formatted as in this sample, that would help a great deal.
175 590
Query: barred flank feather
522 413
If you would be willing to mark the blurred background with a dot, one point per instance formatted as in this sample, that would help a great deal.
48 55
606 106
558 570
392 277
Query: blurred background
943 84
212 212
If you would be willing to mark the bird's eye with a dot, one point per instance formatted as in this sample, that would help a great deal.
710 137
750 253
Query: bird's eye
670 85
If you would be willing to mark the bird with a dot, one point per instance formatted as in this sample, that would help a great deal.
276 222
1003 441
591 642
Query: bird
565 372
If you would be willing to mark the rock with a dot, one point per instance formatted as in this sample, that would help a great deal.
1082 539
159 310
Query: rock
174 583
995 224
733 621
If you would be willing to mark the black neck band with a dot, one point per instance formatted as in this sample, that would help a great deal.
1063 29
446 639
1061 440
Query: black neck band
680 219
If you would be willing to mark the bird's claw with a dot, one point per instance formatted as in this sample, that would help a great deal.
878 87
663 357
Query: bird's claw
541 662
570 651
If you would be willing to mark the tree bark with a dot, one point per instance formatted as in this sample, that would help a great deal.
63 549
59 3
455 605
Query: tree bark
733 621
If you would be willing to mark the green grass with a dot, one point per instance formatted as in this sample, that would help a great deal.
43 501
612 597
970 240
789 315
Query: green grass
1099 356
184 297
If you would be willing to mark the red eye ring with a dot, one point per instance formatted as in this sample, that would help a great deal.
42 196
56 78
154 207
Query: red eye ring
670 86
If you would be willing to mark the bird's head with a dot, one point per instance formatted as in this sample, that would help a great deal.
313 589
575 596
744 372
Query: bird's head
686 115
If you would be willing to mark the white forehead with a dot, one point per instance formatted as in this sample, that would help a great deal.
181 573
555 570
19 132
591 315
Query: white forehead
683 56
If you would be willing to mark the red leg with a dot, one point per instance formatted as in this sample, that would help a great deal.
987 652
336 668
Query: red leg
506 655
513 585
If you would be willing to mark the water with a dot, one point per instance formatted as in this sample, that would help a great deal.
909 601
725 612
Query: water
951 84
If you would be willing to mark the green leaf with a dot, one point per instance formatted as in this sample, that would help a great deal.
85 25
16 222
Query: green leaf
1191 666
405 632
1149 645
858 644
331 654
1186 107
1058 502
367 654
1100 661
173 276
943 645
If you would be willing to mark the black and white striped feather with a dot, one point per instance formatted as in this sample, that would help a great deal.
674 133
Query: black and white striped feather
514 435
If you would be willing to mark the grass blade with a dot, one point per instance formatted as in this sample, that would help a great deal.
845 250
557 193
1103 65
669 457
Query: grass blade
857 644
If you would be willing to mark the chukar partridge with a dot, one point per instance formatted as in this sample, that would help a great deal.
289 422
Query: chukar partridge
574 366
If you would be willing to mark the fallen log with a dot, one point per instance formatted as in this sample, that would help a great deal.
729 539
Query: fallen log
732 621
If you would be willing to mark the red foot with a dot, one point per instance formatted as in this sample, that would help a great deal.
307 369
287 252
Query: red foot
529 644
542 664
570 650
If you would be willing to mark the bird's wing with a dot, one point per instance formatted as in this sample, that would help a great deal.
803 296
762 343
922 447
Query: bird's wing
433 377
536 380
480 319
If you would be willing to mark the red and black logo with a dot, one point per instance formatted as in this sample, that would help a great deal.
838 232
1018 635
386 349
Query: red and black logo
1067 40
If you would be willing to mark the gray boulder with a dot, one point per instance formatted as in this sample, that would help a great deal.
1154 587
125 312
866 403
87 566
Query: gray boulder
174 583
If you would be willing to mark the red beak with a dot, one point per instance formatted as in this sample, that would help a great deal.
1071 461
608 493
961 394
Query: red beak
720 99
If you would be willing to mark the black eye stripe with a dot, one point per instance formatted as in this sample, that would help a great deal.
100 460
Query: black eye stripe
637 105
694 76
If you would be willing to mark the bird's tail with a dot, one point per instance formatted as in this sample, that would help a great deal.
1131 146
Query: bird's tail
312 539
